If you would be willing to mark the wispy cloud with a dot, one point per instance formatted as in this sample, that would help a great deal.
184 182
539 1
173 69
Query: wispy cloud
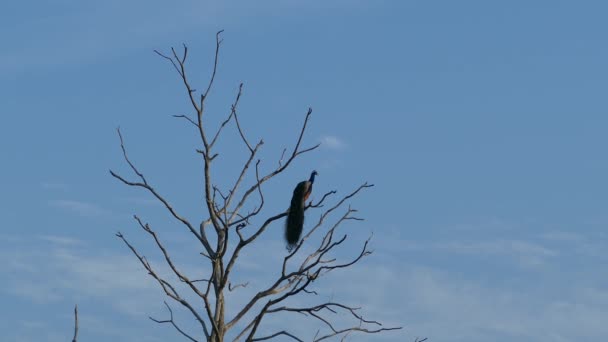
431 288
525 253
332 142
54 186
587 245
57 269
562 236
445 306
88 32
60 240
435 302
142 201
79 207
69 272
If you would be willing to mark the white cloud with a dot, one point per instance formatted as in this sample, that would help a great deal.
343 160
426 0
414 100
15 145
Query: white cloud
463 290
65 269
332 142
142 201
54 185
446 306
525 253
114 279
60 240
85 32
79 207
562 236
582 244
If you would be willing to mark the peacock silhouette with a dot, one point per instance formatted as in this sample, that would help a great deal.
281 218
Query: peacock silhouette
295 217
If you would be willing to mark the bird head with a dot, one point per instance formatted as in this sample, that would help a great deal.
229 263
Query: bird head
312 175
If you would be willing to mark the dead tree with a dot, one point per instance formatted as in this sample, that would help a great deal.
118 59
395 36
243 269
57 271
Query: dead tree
227 230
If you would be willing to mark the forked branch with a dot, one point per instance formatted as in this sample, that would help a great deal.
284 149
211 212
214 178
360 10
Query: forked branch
315 265
172 322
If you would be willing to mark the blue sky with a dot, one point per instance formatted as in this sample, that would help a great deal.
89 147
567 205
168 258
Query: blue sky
482 124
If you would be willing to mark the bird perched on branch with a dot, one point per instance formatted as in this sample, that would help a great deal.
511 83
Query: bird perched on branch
295 216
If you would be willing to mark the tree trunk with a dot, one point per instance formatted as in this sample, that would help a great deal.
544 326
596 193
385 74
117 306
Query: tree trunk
218 335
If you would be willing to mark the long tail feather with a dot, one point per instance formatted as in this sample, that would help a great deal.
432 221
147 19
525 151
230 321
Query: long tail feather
295 218
294 224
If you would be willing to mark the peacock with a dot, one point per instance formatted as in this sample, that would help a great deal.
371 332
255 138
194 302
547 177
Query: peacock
295 217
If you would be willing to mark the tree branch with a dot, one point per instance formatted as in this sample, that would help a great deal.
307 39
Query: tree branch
305 270
144 184
218 42
75 338
283 332
170 320
183 278
166 286
296 152
232 114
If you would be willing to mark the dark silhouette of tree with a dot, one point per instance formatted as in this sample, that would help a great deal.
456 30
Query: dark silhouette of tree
227 230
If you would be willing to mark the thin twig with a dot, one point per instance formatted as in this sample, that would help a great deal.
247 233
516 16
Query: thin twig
169 289
218 42
172 321
75 324
283 332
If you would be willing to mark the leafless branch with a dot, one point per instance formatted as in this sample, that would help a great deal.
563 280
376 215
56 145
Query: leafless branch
283 332
169 290
244 242
170 320
144 184
186 117
282 156
312 267
296 152
218 42
170 60
183 278
236 120
232 288
315 312
336 206
342 331
75 338
230 116
238 182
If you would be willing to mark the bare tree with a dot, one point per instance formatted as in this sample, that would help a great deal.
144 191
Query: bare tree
227 230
